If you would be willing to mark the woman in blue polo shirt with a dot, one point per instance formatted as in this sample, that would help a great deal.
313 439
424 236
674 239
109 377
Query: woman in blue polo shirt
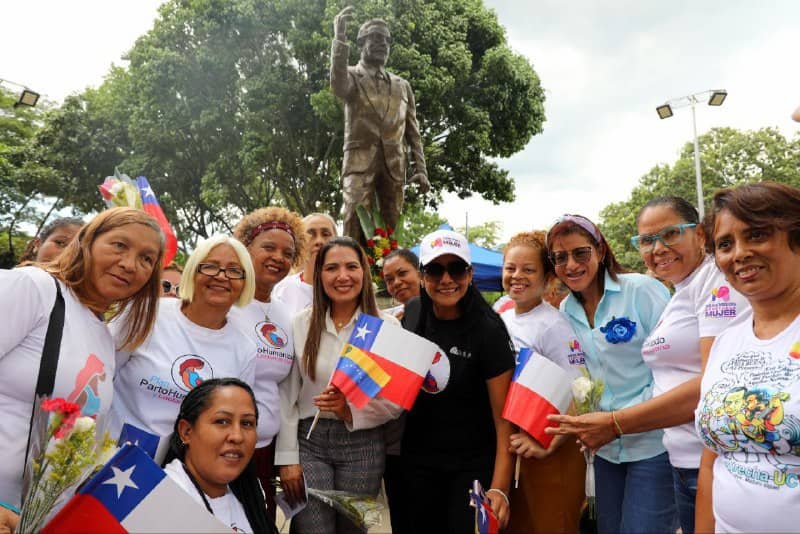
612 314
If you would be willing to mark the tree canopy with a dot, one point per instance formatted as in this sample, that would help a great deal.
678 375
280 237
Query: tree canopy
728 157
225 106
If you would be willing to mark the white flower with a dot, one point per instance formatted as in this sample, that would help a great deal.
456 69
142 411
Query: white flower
83 424
379 263
581 387
117 187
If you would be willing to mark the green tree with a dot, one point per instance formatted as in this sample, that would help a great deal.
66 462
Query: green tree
486 235
728 157
418 221
225 107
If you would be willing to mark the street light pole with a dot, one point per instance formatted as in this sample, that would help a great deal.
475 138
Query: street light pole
714 97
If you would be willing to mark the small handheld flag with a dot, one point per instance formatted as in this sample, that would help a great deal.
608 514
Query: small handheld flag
485 520
538 388
152 207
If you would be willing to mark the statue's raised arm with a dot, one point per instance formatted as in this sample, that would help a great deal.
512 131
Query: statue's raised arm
380 120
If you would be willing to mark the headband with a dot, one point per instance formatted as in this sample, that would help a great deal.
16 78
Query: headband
263 227
578 220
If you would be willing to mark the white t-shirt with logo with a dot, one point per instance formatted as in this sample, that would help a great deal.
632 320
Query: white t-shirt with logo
151 382
704 305
227 508
749 414
270 327
85 365
295 294
546 331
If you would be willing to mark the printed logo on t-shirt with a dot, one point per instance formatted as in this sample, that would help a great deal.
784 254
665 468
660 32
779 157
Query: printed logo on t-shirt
653 345
190 370
87 386
742 417
794 352
720 305
460 352
272 341
438 375
576 355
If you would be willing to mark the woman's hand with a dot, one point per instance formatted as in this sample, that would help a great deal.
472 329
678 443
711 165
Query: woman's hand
527 447
333 400
292 483
592 429
8 520
499 506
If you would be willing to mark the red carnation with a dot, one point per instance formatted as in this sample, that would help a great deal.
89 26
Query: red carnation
371 261
370 243
380 231
391 231
394 245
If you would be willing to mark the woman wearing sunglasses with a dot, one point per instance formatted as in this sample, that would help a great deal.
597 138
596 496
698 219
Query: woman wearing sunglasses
455 434
192 340
612 314
671 241
170 280
275 239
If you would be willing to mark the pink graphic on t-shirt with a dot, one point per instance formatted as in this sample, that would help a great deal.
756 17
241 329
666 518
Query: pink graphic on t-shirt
722 293
87 386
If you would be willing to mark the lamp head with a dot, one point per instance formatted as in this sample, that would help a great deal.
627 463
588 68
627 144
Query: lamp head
664 112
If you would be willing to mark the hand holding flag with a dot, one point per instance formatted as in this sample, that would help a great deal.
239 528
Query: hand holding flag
485 520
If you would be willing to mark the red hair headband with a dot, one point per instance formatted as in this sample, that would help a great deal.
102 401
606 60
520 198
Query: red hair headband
578 220
263 227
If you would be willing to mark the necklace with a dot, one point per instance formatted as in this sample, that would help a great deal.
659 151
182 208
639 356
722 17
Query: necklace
265 308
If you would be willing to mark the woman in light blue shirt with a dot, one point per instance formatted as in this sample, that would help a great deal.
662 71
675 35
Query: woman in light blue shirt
612 314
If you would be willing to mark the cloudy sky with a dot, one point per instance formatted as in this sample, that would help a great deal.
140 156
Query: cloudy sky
605 66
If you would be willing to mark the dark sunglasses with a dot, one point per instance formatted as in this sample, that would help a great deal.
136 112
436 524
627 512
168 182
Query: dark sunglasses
457 270
579 254
167 286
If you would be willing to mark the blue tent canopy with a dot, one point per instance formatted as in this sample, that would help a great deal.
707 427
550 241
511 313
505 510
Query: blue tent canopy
487 265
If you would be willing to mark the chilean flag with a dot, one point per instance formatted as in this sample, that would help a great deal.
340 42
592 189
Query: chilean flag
132 494
538 388
485 520
152 207
404 357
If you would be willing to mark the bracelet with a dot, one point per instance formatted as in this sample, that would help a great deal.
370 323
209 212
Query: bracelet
617 429
13 508
508 503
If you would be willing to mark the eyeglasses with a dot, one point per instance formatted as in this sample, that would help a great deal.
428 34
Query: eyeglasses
579 254
212 269
457 270
167 287
669 236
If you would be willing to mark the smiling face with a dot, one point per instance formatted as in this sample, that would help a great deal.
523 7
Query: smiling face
675 262
523 277
342 275
122 261
221 442
218 291
402 279
577 276
55 242
272 252
318 231
446 291
758 262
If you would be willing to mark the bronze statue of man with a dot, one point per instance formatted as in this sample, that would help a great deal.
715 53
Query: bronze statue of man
380 116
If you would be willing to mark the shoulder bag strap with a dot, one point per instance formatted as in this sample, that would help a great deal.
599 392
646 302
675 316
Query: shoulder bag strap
49 363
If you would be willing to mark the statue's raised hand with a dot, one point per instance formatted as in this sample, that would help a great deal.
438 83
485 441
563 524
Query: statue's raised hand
340 23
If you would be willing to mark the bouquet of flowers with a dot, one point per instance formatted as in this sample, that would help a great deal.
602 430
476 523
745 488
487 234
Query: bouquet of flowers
120 190
381 240
586 393
362 510
63 451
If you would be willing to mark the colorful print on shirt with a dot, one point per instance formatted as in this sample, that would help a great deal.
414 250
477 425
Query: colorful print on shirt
721 305
576 355
87 386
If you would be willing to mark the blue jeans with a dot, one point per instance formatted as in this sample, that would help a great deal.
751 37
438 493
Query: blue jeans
685 481
635 497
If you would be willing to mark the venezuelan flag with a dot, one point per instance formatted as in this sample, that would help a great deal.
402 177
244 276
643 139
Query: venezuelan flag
358 376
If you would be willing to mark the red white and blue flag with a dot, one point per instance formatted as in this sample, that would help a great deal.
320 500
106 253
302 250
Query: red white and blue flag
538 388
382 359
132 494
153 208
485 520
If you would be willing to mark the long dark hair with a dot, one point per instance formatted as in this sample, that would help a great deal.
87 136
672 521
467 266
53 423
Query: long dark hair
32 248
245 487
322 301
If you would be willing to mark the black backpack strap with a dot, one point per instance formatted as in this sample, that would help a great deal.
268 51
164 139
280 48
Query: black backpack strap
49 363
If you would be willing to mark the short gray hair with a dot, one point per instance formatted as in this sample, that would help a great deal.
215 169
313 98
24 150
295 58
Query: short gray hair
202 251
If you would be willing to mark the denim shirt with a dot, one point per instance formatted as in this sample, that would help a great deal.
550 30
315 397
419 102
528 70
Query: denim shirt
628 380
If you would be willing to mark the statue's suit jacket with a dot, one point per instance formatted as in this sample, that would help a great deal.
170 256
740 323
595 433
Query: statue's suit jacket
374 119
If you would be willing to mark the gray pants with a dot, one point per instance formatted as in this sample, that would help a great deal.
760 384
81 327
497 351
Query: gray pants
337 459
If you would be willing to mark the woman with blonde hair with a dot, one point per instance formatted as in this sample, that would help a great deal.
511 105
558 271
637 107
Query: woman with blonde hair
551 490
110 268
346 449
192 339
276 241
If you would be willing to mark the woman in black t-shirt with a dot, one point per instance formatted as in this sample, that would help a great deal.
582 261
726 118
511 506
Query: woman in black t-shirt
454 433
